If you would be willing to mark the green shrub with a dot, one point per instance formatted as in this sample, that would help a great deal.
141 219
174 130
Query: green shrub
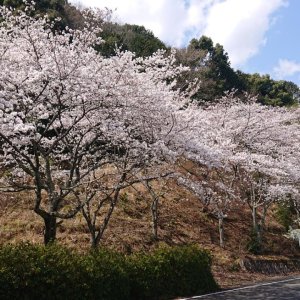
53 272
170 272
254 245
106 275
37 272
284 215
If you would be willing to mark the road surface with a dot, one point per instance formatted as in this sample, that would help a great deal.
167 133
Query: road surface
288 289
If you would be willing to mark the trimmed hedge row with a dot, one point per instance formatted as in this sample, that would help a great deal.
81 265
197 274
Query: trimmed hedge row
53 272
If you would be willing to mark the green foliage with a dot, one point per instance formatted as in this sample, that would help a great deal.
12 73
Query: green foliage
213 69
106 275
36 272
133 38
170 272
210 64
41 5
254 244
52 272
269 91
284 215
53 8
205 43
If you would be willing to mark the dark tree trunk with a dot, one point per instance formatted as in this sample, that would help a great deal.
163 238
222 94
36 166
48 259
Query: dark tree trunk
94 243
154 211
221 231
256 226
50 229
254 219
98 234
263 219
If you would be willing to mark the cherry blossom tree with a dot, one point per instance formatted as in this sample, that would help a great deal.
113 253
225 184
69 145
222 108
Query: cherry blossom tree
257 143
76 128
157 191
67 115
216 193
101 199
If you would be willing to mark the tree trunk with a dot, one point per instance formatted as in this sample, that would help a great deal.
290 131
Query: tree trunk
221 231
94 243
254 218
50 229
256 226
100 232
263 219
154 211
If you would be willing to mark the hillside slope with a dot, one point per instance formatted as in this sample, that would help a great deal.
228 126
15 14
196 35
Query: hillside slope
181 220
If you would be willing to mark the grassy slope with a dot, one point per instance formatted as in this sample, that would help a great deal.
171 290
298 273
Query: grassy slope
181 221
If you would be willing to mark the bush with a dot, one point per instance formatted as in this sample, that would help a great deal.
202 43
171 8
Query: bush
284 215
254 245
53 272
37 272
106 275
170 272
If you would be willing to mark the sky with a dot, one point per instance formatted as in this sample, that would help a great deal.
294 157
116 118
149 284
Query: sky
260 36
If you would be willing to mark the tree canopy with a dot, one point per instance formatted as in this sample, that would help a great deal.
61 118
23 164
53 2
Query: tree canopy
67 112
77 126
210 64
133 38
213 69
269 91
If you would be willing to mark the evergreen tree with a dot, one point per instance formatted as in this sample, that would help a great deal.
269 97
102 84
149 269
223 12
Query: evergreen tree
217 75
133 38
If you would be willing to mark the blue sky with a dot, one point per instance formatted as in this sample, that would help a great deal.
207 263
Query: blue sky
283 43
260 36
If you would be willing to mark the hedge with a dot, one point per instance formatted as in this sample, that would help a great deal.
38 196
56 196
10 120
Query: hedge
170 272
36 272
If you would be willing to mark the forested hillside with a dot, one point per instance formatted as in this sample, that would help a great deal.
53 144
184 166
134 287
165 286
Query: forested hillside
207 61
109 137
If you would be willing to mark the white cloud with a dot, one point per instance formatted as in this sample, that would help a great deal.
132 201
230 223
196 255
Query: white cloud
286 68
170 20
239 25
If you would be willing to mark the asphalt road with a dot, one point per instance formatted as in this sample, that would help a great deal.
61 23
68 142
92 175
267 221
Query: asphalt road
288 289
